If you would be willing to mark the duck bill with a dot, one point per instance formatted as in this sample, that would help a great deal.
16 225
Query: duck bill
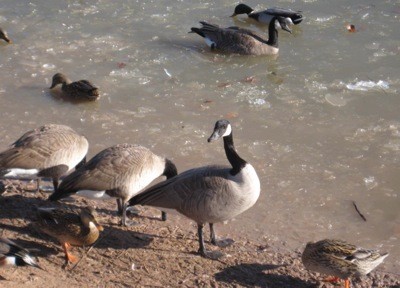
99 227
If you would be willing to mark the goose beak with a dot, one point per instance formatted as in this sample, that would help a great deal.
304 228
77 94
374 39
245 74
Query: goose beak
214 136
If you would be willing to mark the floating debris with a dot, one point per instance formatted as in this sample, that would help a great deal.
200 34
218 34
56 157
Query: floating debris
351 28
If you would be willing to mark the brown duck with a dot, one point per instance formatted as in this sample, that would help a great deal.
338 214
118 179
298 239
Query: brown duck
81 90
76 227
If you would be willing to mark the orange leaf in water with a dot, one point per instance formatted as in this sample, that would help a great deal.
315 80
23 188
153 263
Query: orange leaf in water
121 65
231 115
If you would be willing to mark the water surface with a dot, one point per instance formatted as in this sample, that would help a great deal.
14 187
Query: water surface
320 123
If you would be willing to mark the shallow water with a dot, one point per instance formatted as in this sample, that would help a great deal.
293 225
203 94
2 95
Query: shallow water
320 123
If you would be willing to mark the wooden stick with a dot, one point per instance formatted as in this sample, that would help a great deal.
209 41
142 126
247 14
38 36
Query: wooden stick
91 247
358 211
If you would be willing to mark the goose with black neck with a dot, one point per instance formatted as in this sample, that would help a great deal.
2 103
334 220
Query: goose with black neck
242 41
208 194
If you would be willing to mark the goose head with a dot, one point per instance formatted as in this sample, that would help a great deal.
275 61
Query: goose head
281 22
242 9
222 129
58 78
4 36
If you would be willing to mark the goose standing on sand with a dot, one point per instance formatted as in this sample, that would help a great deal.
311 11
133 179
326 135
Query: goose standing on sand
13 254
119 171
241 41
4 36
79 90
48 151
289 17
208 194
77 227
340 259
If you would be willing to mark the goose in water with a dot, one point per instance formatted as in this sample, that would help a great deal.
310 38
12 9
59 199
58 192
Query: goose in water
48 151
288 16
120 171
80 90
208 194
13 254
340 259
241 41
4 36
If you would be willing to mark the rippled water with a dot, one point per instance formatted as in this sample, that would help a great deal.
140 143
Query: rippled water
320 123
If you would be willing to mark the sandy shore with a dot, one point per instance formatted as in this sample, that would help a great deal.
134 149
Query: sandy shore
150 254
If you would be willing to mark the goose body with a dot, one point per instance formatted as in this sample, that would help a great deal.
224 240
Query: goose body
288 16
48 151
240 41
340 259
120 171
13 254
4 36
208 194
77 227
81 90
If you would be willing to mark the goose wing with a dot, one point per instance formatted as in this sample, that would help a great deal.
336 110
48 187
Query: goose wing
231 38
43 147
186 190
283 12
8 248
113 168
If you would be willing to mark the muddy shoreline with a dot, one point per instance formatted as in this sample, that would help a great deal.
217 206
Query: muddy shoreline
150 254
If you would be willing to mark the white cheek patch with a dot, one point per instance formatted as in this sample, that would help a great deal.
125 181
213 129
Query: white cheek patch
17 172
228 130
92 225
96 195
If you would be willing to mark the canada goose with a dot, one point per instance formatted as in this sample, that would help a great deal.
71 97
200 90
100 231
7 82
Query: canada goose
340 259
208 194
13 254
82 89
48 151
240 41
119 171
289 17
77 227
4 36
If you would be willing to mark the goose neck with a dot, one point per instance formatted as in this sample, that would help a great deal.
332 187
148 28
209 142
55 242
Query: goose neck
272 34
233 158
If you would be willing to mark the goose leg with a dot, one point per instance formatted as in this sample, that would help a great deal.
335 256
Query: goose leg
163 216
55 184
220 243
119 205
347 283
214 255
125 221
